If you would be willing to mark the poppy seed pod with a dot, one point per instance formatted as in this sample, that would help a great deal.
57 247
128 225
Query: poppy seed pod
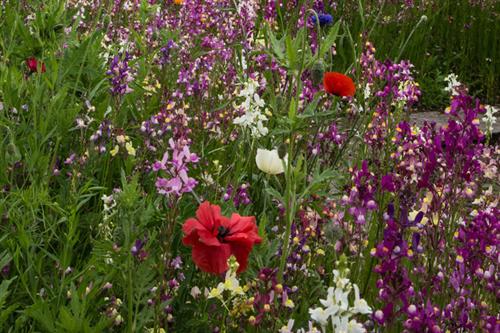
333 232
282 150
317 72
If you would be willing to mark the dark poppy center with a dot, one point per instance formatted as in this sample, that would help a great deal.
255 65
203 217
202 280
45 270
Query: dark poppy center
222 232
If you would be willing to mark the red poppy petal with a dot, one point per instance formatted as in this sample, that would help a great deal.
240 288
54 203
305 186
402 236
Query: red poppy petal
201 236
241 250
32 64
190 225
190 229
243 228
194 231
211 259
239 223
347 87
252 237
328 82
207 238
209 215
191 239
338 84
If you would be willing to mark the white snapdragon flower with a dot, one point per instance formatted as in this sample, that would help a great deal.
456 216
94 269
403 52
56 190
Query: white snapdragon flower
453 84
320 315
288 327
254 107
344 325
337 309
489 117
360 305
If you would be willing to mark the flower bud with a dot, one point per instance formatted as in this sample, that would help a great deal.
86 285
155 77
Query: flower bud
317 72
282 150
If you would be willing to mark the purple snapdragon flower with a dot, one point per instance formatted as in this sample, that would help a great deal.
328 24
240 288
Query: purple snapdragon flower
176 167
138 251
120 75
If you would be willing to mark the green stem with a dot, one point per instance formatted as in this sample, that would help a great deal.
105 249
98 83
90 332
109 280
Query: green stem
289 206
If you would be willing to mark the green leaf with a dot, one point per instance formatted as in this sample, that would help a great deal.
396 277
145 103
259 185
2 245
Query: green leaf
292 111
328 42
67 321
4 314
41 313
291 52
4 291
262 227
276 45
318 181
272 192
5 258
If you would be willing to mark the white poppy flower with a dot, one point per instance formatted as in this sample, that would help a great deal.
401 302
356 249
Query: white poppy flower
269 161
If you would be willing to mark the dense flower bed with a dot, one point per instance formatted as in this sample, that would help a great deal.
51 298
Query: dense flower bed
208 166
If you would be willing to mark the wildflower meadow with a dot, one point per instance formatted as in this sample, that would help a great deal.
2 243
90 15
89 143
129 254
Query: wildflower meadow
249 166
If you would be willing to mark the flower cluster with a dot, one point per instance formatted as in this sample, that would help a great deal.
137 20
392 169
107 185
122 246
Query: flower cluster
253 108
453 85
102 135
328 141
164 292
176 167
475 265
394 283
241 196
126 144
337 309
170 120
394 89
120 74
490 118
361 197
179 103
230 284
107 226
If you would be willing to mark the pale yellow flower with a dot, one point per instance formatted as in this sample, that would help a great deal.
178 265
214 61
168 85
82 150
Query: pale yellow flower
115 150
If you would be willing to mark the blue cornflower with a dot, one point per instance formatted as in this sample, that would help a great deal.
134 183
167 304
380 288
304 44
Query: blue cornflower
324 19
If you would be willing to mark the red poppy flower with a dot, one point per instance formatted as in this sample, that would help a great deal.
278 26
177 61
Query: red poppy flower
32 64
338 84
214 238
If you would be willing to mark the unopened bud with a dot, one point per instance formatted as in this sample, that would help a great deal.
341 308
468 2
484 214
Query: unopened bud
317 72
282 150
